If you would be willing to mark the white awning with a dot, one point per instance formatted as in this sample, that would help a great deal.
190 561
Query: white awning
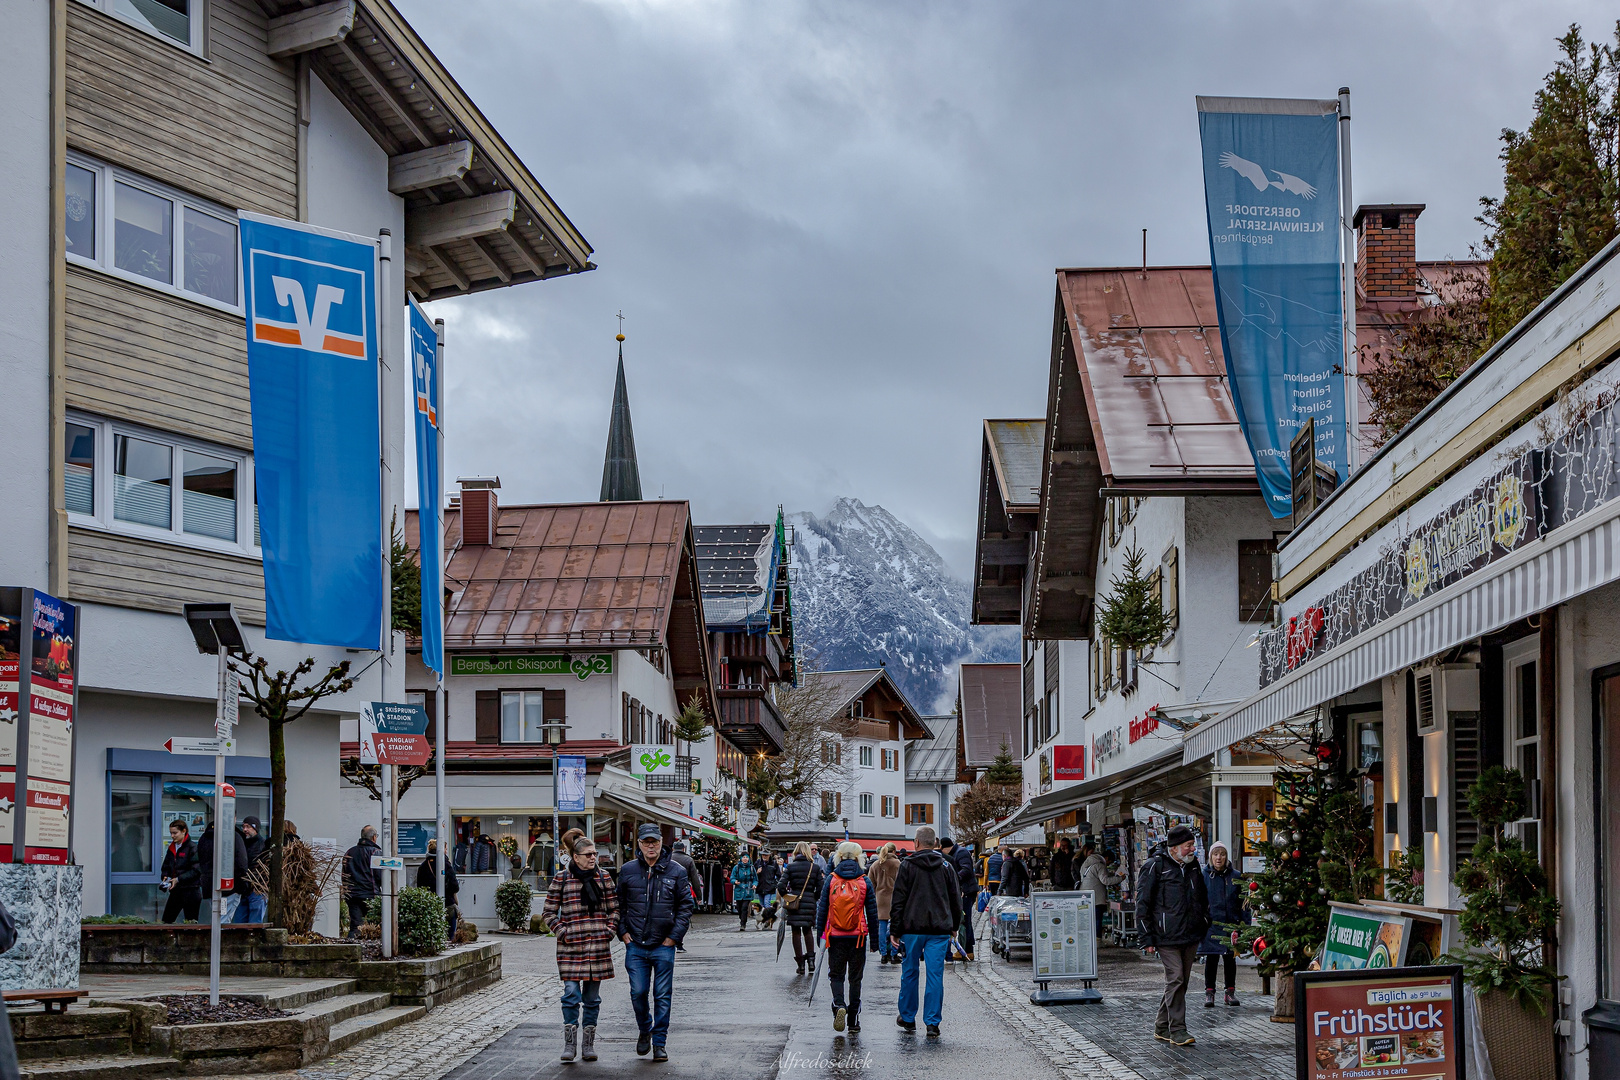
627 800
1571 560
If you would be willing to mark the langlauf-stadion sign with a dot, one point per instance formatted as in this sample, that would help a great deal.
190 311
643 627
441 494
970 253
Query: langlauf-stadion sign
580 666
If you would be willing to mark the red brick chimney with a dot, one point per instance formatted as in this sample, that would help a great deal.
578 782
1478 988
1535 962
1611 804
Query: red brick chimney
1386 251
478 509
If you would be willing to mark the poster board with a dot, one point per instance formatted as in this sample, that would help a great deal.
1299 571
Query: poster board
41 780
1405 1022
1063 935
1360 937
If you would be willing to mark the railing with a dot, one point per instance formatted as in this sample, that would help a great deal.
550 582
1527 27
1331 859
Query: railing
680 779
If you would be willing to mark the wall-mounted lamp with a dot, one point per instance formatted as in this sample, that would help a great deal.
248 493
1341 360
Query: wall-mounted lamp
1431 814
1392 817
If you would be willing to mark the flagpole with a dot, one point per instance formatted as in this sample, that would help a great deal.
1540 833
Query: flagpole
385 251
1347 239
441 812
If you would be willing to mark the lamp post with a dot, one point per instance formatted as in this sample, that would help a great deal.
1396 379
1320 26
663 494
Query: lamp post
555 732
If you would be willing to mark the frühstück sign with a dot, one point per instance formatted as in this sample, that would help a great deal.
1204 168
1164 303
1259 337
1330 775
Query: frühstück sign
1399 1022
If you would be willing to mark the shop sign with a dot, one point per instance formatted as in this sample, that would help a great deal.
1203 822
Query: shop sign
1069 762
1254 831
651 760
1144 726
1500 515
581 667
1404 1022
1363 939
1107 745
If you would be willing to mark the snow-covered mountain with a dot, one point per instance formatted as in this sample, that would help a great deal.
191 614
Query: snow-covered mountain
868 590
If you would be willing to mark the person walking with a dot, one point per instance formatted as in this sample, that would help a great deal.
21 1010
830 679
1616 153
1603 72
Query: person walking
769 873
1172 912
1094 876
801 884
961 860
582 907
360 881
925 910
992 872
817 858
1224 890
182 876
882 873
209 876
1015 875
677 853
427 877
251 904
847 916
655 908
743 880
1062 868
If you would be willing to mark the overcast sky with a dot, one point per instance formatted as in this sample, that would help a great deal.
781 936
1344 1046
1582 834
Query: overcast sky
832 226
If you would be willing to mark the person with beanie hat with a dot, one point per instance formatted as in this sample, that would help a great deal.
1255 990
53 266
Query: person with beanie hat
1172 911
1224 888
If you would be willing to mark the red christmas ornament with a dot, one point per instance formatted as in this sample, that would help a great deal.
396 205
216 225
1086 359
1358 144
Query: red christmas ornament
1254 886
1260 946
1301 903
1296 853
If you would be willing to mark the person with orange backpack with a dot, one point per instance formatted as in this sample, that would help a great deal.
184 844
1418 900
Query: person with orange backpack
846 915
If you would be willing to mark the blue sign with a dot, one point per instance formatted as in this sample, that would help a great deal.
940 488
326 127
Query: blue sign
312 379
399 718
414 836
428 396
1271 186
570 784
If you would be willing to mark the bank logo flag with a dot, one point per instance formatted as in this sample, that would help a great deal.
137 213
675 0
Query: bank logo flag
427 393
312 379
1271 188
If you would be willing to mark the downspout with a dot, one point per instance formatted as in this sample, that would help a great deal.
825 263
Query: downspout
57 359
302 83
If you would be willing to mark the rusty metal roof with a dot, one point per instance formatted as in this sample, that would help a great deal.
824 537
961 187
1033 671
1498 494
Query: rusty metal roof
1015 448
989 697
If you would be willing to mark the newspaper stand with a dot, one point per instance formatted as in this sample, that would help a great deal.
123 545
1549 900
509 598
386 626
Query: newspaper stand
1063 935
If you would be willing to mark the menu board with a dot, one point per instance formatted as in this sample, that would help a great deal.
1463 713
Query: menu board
49 681
1395 1022
1064 929
11 623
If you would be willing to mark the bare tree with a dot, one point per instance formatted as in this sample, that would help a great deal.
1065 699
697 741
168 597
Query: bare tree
816 753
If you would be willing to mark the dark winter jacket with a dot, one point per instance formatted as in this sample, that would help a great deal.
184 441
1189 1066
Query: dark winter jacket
804 878
927 898
1014 878
693 882
849 868
1171 906
254 849
1225 891
427 877
182 866
769 873
1062 871
483 857
655 902
992 868
361 880
967 878
205 864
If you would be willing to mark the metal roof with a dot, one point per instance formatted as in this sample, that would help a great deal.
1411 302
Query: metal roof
989 697
1009 501
853 684
735 564
1015 448
933 761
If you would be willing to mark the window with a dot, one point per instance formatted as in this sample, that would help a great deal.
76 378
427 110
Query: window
891 806
857 709
141 806
1049 717
920 813
137 495
176 21
1254 581
866 757
160 236
866 803
524 713
832 752
832 803
1523 742
891 760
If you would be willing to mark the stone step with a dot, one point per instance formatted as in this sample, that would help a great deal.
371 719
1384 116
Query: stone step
122 1067
305 992
349 1032
346 1007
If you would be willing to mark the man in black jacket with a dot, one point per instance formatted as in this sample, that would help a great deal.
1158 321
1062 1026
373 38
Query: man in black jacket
961 860
181 875
360 881
655 908
923 913
250 905
1062 868
1172 912
205 861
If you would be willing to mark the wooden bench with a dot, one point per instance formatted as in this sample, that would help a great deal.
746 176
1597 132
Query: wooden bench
55 1001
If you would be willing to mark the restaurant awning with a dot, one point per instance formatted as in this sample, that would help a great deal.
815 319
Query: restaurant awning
629 800
1165 772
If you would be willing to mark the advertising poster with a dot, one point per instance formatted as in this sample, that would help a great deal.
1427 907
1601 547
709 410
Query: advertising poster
1399 1022
414 836
50 678
45 838
1069 762
1064 935
1360 938
428 395
10 676
570 784
393 733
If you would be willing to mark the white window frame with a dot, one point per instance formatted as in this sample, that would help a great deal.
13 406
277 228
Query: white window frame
865 804
891 806
108 177
890 755
867 759
103 519
199 29
1515 658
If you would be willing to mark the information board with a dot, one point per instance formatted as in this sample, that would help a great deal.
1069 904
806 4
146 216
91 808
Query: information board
1063 928
1360 938
41 738
392 733
1405 1022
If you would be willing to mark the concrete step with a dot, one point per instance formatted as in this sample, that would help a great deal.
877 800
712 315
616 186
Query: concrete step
346 1006
121 1067
356 1029
303 992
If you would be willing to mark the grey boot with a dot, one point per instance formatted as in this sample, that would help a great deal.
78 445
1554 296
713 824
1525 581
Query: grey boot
570 1041
587 1046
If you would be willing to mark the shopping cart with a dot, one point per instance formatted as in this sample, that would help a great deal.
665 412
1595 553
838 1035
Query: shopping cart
1009 925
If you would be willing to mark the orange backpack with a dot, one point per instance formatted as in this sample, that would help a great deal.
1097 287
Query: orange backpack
846 906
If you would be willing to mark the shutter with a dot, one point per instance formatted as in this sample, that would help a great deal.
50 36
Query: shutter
1463 728
1170 596
489 716
554 706
1050 649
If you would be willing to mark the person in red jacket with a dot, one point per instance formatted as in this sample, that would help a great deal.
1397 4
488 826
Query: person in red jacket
846 915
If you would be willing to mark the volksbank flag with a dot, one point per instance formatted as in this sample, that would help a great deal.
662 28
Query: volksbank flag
428 396
1271 186
312 378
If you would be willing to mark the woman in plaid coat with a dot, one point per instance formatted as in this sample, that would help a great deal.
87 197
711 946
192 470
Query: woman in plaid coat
581 908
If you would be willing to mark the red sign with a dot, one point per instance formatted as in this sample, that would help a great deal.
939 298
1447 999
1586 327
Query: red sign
1370 1023
395 749
1303 630
1143 726
1068 762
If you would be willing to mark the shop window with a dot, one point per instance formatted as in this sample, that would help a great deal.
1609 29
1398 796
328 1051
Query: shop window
1254 581
1522 717
141 807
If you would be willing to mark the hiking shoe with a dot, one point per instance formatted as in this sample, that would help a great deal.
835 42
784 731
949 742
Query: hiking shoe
906 1024
660 1054
854 1022
933 1031
839 1013
587 1043
643 1043
1231 996
1162 1034
1182 1038
570 1041
1209 998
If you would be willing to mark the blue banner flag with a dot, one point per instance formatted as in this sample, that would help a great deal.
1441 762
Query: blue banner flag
428 394
312 349
1271 187
570 784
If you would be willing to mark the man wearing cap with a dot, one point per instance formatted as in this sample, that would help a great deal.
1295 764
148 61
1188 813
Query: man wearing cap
1172 911
250 906
655 908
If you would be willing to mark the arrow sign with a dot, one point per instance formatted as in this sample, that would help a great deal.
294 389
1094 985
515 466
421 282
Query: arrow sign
179 745
387 862
6 805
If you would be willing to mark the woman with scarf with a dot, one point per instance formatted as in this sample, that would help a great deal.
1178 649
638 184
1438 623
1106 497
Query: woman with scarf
581 908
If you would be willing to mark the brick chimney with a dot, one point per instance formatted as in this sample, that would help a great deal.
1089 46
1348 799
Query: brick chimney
478 509
1386 251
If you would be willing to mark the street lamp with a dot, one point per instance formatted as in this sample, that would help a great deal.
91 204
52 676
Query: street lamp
554 732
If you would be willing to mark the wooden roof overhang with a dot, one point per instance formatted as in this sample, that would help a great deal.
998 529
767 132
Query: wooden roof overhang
688 635
475 217
1009 513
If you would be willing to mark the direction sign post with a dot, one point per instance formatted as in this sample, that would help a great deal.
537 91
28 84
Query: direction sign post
181 744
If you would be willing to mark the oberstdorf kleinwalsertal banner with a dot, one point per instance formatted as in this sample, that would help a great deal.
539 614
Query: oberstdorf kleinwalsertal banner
1271 187
428 397
312 346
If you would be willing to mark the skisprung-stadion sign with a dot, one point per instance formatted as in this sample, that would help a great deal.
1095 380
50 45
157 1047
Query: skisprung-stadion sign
581 667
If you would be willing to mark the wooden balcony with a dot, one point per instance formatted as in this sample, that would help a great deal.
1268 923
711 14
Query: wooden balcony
750 720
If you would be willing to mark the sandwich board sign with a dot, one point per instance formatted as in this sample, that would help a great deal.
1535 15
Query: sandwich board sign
1063 938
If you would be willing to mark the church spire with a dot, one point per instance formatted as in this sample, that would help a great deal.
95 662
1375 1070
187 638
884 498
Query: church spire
621 479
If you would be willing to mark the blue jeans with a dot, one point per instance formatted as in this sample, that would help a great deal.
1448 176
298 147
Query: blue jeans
883 938
928 949
574 992
250 908
651 967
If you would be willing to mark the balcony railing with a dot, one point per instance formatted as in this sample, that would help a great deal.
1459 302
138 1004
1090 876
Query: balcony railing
680 779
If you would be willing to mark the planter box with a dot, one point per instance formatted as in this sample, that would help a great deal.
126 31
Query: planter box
183 950
244 1046
1519 1041
436 979
81 1032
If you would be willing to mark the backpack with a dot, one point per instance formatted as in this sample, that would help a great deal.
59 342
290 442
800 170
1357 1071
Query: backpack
846 906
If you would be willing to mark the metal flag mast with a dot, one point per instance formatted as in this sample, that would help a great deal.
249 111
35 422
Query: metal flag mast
1347 240
385 252
441 815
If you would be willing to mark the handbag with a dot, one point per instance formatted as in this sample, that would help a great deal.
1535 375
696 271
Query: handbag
984 900
790 902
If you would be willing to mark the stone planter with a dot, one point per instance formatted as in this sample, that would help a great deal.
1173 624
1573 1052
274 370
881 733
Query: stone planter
183 950
1519 1040
433 980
